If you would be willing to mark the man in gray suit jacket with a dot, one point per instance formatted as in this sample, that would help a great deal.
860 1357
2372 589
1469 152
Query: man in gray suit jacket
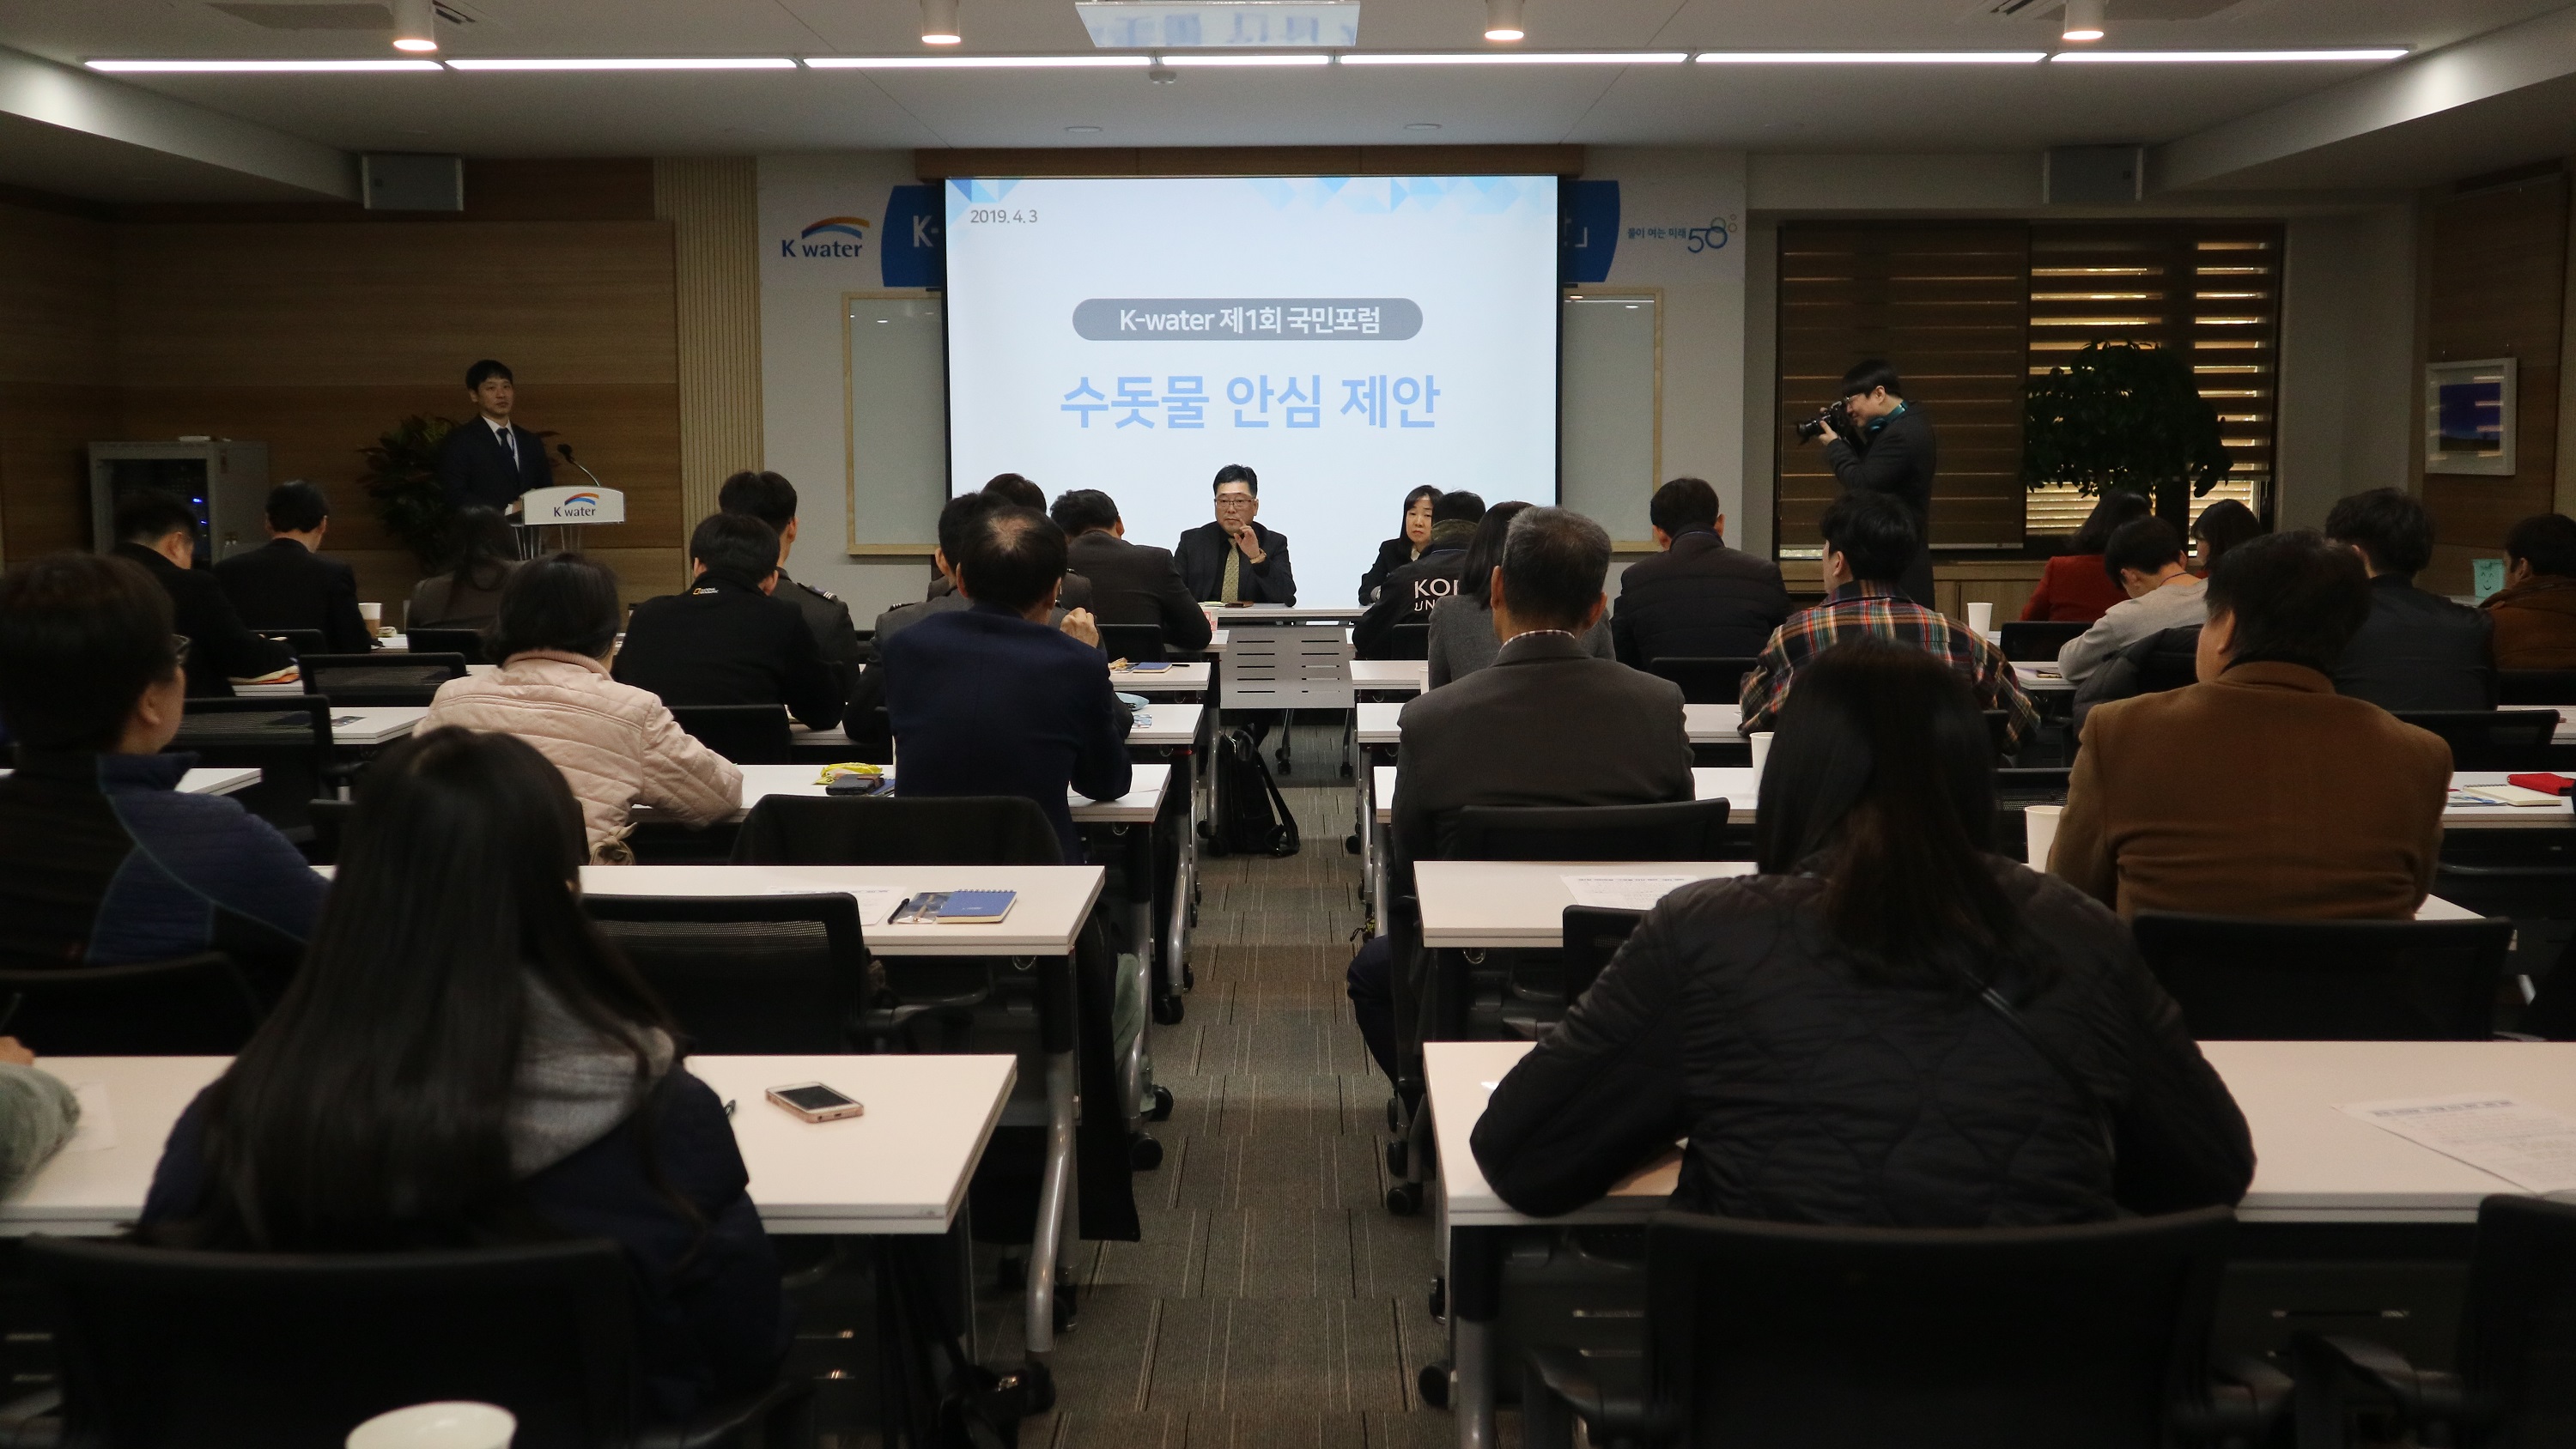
1549 724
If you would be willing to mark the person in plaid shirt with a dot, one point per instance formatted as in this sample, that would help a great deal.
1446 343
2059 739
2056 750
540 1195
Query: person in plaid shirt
1869 540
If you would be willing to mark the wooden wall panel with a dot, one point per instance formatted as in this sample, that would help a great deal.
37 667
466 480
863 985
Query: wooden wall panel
57 374
2495 268
713 206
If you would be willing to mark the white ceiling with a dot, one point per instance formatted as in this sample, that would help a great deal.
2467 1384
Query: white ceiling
1820 110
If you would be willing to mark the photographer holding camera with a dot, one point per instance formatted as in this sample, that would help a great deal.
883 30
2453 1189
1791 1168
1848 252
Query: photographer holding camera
1877 443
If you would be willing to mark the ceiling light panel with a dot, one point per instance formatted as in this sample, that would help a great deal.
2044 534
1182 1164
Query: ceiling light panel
1518 57
255 67
977 62
2227 57
1218 24
1872 57
707 62
1186 58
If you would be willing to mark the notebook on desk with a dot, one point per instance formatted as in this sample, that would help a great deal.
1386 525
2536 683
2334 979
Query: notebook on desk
954 908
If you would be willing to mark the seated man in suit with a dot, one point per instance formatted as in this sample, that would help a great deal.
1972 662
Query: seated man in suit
2143 557
159 532
102 859
2330 810
2416 650
288 584
1012 490
1698 599
1870 541
2535 611
994 700
1235 560
1131 583
729 639
770 498
489 459
1546 724
1410 591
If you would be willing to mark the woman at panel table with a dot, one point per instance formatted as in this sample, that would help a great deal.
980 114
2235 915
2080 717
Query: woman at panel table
1890 1025
1405 547
2073 589
464 1061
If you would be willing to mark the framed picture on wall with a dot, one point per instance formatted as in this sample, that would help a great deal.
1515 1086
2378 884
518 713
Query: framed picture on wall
2469 417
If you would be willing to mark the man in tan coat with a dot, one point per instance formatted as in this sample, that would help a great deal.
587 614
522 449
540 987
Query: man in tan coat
2259 791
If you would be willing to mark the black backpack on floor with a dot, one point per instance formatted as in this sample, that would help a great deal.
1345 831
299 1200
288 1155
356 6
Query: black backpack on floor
1251 815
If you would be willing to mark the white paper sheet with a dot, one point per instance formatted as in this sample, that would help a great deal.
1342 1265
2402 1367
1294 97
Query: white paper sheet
1623 892
2533 1149
97 1129
876 903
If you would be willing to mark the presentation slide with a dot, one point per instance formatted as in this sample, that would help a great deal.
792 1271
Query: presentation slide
1347 338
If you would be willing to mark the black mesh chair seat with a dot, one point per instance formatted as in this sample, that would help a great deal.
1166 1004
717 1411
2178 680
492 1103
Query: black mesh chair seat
164 1347
380 679
1675 830
287 740
1704 681
2491 739
1135 643
764 975
897 830
2535 686
747 734
1409 641
2272 980
2038 640
199 1005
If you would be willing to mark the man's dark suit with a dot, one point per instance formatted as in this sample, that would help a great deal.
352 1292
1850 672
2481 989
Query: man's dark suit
725 642
1075 594
219 648
2419 651
473 466
1897 455
1698 599
986 703
1135 583
829 619
1201 556
288 586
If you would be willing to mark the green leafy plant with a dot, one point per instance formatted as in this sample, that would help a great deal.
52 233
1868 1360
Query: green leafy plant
402 477
2120 416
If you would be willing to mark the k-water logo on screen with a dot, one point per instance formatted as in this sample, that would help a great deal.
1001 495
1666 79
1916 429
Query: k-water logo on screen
823 238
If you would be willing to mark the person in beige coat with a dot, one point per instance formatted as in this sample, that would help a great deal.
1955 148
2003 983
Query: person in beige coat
617 745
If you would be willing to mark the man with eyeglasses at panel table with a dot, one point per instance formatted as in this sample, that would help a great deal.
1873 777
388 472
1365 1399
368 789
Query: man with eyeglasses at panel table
1235 560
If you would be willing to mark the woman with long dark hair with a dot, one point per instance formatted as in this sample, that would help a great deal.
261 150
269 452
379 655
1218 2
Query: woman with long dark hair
1406 546
468 595
2221 526
1890 1025
1462 626
463 1060
2072 588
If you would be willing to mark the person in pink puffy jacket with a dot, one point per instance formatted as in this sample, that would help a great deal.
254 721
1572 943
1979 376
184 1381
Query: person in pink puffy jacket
618 746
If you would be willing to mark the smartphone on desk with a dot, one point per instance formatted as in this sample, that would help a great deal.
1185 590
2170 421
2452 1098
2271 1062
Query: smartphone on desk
1152 667
815 1102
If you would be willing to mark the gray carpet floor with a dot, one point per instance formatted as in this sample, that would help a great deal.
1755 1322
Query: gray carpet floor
1273 1300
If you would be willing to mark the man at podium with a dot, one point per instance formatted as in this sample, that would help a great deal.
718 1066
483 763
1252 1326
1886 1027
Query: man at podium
488 459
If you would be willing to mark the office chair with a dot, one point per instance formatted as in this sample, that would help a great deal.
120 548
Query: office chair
1674 830
2037 641
2280 980
201 1005
2491 739
1135 643
1857 1338
747 734
897 830
2535 686
1409 641
2510 1383
1999 731
1593 934
287 740
467 643
1704 681
167 1347
2015 791
383 678
2540 900
764 975
330 827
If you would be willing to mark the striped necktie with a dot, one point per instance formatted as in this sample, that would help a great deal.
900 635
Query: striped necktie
1231 590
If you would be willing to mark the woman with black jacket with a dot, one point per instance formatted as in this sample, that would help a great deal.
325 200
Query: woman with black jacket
1405 547
1890 1026
464 1061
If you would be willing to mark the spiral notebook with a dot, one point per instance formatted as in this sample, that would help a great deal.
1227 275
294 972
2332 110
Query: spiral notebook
955 908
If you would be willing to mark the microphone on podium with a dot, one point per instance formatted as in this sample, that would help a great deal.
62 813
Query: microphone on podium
566 450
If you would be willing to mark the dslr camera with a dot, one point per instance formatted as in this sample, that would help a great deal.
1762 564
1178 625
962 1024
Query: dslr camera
1832 414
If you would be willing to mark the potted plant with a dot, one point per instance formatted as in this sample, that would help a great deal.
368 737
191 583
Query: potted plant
402 477
2122 416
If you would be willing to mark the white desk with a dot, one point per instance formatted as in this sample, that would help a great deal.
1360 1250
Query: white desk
375 724
1706 724
1173 724
1143 798
296 686
1285 613
1179 679
231 780
902 1168
2040 676
1737 787
2502 817
1498 904
1054 899
1391 676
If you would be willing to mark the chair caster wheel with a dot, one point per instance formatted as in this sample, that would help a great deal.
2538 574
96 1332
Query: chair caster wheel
1346 769
1143 1153
1433 1384
1167 1011
1396 1152
1036 1385
1067 1318
1351 844
1160 1108
1404 1199
1440 1300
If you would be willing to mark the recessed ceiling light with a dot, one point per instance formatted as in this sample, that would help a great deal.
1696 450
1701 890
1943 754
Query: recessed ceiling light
416 25
1082 130
1248 58
665 62
975 62
1503 20
939 23
2226 57
255 67
1422 125
1872 57
2083 21
1518 57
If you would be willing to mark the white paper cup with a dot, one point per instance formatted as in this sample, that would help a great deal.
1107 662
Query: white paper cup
2039 826
374 614
437 1426
1761 742
1981 617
